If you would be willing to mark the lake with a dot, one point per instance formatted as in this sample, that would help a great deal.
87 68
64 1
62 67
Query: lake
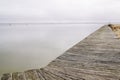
29 46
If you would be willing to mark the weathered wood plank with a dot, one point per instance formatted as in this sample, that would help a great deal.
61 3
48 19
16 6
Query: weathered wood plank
49 76
83 74
63 74
6 76
18 76
40 74
31 75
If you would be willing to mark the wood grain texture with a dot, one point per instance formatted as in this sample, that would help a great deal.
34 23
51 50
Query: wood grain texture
97 57
18 76
6 76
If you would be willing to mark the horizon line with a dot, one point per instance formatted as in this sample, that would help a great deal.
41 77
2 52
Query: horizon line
58 22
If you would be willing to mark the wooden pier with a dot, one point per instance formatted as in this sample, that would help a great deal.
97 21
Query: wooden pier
97 57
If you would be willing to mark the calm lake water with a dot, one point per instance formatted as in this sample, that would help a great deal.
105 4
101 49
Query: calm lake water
29 46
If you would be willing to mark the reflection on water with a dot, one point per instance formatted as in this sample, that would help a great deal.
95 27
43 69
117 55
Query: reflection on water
30 46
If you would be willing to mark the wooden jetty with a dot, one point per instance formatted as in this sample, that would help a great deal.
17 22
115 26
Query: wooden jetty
97 57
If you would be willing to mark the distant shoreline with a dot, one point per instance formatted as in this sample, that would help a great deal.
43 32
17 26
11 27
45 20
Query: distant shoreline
25 23
60 23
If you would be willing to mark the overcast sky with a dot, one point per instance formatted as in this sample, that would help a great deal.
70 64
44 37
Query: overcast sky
59 10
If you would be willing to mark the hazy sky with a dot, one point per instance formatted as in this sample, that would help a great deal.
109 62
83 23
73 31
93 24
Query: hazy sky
59 10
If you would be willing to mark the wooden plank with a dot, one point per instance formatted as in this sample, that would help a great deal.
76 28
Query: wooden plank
65 74
40 74
32 75
6 76
18 76
50 76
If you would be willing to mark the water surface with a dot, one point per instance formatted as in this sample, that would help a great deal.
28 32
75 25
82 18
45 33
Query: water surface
29 46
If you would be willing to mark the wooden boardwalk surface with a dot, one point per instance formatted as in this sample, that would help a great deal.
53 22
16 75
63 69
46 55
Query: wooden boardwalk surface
97 57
